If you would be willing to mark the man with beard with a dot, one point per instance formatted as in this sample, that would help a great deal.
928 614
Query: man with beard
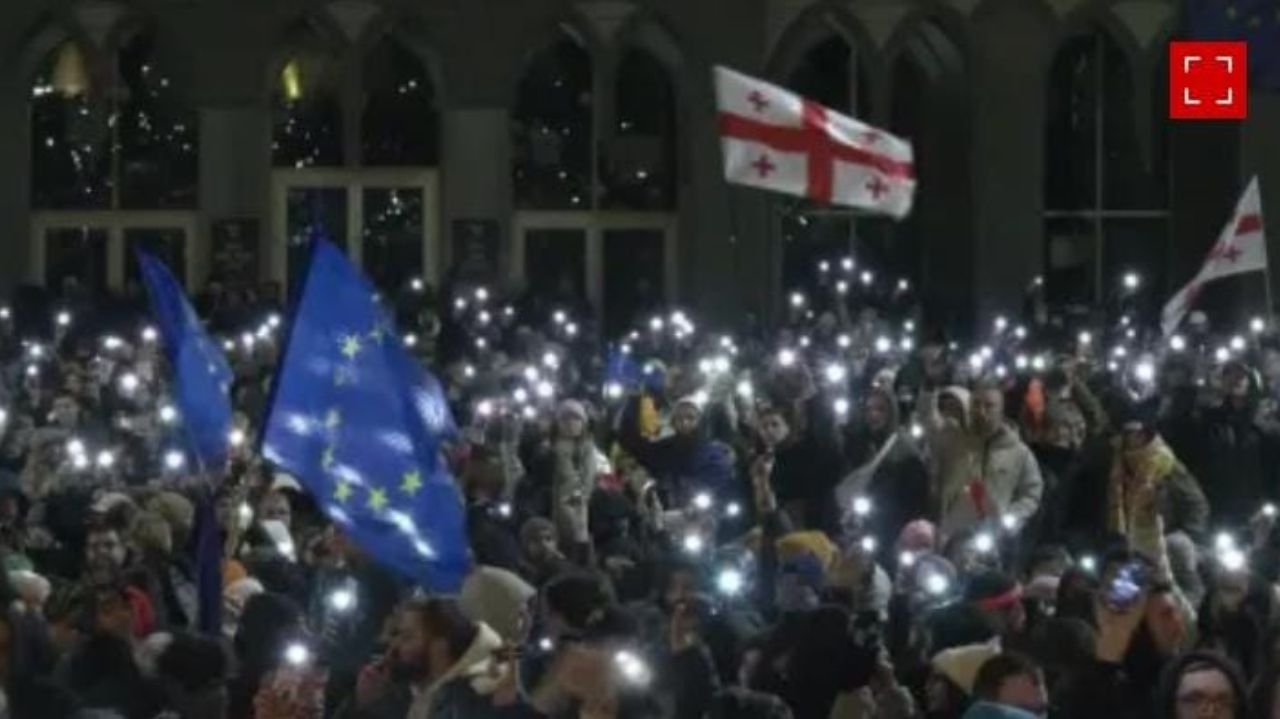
984 471
440 665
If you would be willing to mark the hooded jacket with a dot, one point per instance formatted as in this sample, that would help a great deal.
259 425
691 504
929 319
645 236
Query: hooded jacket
978 478
890 470
1179 504
1167 690
496 598
464 691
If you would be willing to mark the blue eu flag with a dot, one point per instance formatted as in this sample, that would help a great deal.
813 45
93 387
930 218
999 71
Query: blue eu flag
360 422
202 377
1254 21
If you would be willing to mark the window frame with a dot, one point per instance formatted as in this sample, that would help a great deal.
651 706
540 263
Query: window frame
354 181
1098 214
116 223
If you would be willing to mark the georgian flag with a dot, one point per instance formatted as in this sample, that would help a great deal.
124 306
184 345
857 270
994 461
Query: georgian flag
1241 247
776 140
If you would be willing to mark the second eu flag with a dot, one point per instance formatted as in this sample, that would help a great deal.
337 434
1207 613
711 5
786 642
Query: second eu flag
201 375
359 422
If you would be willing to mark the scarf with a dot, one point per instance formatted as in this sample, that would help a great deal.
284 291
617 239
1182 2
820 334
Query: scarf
1132 470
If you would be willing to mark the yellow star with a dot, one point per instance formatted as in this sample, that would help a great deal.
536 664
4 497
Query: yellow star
332 418
351 346
1255 21
343 376
377 499
412 482
1231 12
379 332
343 492
327 459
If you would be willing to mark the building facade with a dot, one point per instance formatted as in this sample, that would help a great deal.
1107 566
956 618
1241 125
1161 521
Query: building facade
573 145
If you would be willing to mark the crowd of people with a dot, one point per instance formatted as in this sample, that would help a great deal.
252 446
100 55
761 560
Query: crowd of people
847 515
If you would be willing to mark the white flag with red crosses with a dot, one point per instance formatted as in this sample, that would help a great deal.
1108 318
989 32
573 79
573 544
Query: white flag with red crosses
1241 247
776 140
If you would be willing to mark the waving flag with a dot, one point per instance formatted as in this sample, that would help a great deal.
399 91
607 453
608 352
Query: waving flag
776 140
201 374
360 423
1257 22
1240 248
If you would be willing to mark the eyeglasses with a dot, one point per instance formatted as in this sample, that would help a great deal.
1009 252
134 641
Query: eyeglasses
1200 701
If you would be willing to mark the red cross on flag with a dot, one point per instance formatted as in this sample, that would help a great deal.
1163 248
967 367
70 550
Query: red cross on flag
776 140
1241 248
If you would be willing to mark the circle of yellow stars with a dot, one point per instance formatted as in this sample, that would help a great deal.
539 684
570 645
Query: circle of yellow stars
350 346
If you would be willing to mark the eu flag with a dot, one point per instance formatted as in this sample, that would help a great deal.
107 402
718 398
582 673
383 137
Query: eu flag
360 422
202 377
1257 22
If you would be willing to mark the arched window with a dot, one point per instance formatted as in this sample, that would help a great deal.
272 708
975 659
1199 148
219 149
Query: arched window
598 233
930 107
119 138
399 125
1105 181
831 73
639 170
115 157
356 140
552 130
307 117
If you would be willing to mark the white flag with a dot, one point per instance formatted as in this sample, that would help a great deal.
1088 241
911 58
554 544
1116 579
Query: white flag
776 140
1241 247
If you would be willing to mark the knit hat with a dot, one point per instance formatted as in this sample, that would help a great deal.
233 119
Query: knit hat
961 664
990 586
496 597
572 408
813 543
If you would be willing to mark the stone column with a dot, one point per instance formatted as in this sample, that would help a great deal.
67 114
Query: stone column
1010 46
235 178
476 176
1260 155
15 181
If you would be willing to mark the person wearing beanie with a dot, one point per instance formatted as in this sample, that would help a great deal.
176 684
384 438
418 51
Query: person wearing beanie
686 460
1150 493
540 557
1232 446
576 468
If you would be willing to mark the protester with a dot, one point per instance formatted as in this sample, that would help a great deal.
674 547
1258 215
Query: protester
674 522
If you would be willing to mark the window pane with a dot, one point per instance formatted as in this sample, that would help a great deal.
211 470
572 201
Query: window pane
167 244
1142 246
808 240
634 273
400 125
639 172
1071 260
1127 180
555 266
313 212
308 114
824 75
157 134
70 136
551 130
1071 127
392 242
76 256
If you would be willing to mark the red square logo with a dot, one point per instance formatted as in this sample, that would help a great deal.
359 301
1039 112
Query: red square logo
1208 80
